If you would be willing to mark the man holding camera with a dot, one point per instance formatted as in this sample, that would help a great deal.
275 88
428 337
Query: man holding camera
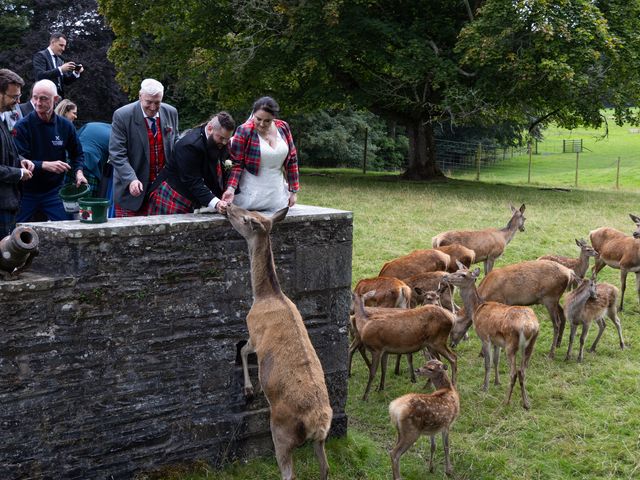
48 64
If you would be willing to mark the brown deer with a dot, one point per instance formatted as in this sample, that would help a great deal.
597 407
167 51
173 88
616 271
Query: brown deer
422 283
428 298
529 283
591 301
290 373
514 328
388 292
416 414
395 330
418 261
488 244
458 253
618 250
579 265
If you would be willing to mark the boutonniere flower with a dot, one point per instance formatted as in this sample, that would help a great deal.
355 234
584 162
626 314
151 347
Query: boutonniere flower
227 165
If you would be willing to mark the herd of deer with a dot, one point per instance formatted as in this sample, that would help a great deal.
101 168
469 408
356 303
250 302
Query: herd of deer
409 307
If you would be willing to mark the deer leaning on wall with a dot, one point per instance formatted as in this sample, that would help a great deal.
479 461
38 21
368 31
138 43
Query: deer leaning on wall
488 244
290 373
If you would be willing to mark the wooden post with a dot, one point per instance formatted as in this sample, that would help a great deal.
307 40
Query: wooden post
478 156
618 175
529 176
577 161
364 157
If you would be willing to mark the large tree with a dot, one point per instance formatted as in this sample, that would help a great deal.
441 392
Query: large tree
25 26
415 62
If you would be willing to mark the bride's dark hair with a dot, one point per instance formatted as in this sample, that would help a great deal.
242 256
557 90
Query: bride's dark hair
267 104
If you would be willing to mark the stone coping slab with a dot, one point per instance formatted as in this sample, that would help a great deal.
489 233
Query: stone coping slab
158 224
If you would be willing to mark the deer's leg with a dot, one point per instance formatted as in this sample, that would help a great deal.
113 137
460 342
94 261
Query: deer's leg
410 362
623 286
513 374
526 356
638 285
572 337
562 320
383 373
552 308
583 337
375 361
601 326
245 351
488 265
447 461
397 369
321 455
432 451
486 353
284 445
406 438
597 266
616 321
496 362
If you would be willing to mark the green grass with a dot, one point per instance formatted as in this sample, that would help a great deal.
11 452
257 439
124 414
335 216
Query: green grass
597 164
585 418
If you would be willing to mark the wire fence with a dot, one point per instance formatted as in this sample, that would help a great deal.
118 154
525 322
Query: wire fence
555 163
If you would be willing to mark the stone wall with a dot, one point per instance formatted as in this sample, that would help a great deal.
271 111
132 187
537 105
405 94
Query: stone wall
120 346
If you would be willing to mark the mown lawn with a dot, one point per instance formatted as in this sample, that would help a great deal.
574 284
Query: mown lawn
585 418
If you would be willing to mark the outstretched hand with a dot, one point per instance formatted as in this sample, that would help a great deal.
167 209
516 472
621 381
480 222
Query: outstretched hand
228 195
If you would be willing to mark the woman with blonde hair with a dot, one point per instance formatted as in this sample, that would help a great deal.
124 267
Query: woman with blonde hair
67 109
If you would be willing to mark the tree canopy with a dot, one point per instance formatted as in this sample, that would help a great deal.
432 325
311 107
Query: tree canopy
415 62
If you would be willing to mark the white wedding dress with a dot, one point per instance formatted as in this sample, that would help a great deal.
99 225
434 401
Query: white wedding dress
267 191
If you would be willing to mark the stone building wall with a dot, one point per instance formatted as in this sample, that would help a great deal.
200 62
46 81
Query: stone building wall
120 346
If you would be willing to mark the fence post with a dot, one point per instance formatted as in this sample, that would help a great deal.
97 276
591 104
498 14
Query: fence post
618 175
478 156
364 157
529 175
577 160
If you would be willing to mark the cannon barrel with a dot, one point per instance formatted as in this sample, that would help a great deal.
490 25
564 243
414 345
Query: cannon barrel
18 249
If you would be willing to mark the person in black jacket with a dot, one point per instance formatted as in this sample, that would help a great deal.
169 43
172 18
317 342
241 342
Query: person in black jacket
48 64
195 175
13 169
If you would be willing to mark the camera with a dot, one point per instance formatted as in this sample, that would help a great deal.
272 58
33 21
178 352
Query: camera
77 67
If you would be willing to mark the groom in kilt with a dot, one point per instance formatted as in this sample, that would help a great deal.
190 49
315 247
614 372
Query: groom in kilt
195 174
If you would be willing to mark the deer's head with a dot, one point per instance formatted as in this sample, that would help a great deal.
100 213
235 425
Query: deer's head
518 217
253 224
636 220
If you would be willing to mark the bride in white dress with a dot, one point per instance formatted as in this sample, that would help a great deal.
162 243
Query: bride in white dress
262 153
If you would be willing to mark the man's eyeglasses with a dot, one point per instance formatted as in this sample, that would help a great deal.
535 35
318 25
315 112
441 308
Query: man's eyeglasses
15 97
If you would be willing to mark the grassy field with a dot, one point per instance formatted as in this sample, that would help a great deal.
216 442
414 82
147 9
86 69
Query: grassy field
598 163
585 418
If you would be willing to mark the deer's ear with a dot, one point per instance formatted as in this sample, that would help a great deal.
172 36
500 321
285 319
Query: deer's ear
522 207
476 273
368 295
279 215
461 266
635 219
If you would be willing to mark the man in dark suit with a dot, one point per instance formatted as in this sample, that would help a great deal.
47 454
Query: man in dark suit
194 176
143 135
13 169
48 64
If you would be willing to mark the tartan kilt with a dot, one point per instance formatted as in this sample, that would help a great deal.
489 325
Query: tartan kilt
164 200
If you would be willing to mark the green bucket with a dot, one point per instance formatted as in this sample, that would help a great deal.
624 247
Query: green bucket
93 210
70 194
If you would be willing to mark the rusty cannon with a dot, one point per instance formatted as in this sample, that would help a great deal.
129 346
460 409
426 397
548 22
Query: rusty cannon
17 251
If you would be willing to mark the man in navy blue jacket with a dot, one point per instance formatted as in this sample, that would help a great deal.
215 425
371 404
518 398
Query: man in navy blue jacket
47 139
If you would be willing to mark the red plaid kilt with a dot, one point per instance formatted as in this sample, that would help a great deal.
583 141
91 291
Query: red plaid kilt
123 212
164 200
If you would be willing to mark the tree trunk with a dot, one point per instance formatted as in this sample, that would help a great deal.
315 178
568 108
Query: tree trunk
422 152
